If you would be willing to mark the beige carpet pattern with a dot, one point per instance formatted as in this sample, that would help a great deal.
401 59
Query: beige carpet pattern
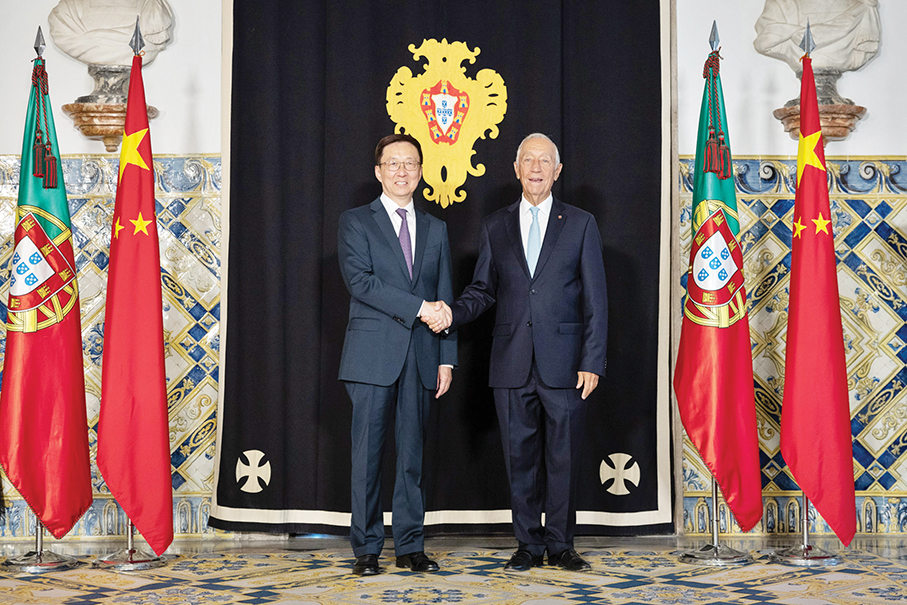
469 577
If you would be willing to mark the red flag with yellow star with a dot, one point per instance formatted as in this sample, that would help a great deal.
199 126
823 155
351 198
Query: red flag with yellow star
133 431
815 418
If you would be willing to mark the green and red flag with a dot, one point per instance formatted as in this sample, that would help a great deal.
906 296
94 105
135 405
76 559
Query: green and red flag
815 419
133 431
713 378
43 422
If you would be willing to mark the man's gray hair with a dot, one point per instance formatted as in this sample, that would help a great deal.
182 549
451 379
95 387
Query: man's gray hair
539 135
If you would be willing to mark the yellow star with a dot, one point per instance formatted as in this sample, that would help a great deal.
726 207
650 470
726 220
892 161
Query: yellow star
806 153
821 224
140 224
799 227
129 154
116 228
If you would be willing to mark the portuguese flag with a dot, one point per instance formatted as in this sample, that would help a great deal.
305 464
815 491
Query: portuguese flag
43 423
133 432
713 378
815 419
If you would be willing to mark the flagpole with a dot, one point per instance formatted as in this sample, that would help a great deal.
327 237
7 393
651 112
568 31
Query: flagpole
713 375
39 560
716 554
129 558
805 555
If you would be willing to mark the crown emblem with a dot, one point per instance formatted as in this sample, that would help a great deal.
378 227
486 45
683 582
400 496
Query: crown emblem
447 113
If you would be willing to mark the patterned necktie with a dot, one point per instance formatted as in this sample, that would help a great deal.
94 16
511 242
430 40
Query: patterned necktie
534 245
406 242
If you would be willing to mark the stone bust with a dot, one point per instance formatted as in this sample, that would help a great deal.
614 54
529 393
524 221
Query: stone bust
846 32
98 31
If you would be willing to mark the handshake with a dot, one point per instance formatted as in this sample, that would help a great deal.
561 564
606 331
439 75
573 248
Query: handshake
437 315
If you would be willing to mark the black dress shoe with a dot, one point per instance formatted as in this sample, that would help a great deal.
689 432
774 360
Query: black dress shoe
523 560
417 561
366 565
569 560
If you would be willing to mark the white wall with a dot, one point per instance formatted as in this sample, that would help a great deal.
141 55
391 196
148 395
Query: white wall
183 82
755 85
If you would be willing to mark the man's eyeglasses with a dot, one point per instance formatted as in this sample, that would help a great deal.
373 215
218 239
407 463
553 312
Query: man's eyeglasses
394 165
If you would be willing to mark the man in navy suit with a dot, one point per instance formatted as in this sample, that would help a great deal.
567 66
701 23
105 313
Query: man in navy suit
394 258
540 262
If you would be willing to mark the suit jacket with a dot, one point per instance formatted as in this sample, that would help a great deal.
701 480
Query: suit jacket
384 300
560 315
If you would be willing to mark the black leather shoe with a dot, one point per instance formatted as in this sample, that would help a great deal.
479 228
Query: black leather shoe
569 560
522 560
417 561
366 565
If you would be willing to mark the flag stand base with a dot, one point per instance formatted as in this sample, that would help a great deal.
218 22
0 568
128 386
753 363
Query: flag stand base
715 554
39 562
805 555
130 558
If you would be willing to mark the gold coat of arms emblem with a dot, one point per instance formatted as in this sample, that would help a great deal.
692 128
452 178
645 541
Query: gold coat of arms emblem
447 112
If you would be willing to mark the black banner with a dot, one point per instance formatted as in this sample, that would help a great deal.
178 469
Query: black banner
310 82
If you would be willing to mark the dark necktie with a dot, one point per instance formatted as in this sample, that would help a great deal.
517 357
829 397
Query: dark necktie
405 241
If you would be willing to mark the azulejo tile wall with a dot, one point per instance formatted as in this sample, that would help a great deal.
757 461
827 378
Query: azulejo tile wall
187 192
868 196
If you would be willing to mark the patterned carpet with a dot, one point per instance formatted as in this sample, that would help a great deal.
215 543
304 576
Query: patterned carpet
629 577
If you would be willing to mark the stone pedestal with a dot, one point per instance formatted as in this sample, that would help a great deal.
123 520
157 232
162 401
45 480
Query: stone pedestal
837 115
102 114
104 121
837 120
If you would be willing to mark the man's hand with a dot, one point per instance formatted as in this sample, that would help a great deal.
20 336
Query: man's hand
588 381
438 317
445 377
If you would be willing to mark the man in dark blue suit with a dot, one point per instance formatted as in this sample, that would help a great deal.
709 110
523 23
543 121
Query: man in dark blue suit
540 262
393 258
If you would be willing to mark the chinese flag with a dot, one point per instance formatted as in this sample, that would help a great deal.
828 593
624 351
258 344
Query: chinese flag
713 378
815 419
133 431
43 423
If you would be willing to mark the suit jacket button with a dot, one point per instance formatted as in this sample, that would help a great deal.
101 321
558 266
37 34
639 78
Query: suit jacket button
529 323
532 291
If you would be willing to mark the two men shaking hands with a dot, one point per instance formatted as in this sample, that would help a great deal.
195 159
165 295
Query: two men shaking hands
540 265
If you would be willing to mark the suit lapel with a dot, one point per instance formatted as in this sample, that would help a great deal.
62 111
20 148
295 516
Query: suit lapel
513 234
556 220
422 227
387 228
